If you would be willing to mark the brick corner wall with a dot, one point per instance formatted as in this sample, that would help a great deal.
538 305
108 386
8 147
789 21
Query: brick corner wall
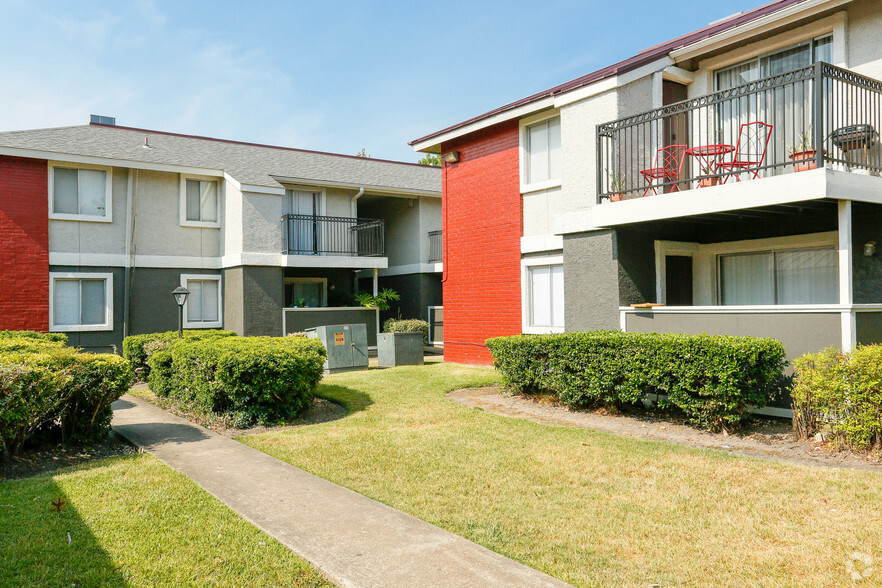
483 224
24 244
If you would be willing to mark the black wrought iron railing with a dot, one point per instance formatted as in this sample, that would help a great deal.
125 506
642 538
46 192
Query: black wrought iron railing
435 244
815 116
306 234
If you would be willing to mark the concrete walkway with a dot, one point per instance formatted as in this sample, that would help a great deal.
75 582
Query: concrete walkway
353 540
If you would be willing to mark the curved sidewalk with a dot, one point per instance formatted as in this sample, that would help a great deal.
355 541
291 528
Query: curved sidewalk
353 540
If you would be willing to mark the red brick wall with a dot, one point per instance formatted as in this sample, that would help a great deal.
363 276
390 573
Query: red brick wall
483 224
24 244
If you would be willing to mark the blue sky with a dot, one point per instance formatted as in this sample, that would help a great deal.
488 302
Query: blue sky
331 76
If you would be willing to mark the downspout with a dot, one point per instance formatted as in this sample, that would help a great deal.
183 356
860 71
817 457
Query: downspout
443 224
353 207
128 262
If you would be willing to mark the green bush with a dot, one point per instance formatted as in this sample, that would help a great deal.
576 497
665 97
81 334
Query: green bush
134 346
56 393
840 395
57 337
255 379
393 325
715 380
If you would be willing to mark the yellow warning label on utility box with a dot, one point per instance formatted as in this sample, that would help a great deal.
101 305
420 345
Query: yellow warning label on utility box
338 338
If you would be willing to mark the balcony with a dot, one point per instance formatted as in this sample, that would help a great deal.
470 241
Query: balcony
767 128
435 241
307 234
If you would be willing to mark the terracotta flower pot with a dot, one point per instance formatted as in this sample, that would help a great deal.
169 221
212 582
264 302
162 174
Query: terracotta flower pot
616 197
809 154
708 181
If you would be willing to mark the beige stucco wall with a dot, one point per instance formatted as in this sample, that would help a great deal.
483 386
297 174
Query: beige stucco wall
261 228
864 48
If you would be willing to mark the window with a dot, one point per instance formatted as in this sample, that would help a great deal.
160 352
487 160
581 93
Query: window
203 306
542 152
796 276
81 302
546 296
306 292
199 203
80 194
784 60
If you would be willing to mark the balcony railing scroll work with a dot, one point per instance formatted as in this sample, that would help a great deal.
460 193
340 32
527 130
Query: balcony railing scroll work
308 234
815 116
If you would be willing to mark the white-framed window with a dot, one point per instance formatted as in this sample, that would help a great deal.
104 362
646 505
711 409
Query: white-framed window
204 306
200 202
787 276
80 192
306 292
540 154
80 301
543 294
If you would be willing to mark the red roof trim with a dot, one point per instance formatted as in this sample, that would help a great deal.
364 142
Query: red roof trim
642 58
231 142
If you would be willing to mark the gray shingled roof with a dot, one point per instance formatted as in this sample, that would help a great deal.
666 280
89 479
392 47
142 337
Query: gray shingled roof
246 162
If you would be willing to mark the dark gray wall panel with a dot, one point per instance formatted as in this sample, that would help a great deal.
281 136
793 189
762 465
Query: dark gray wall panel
591 281
869 327
263 290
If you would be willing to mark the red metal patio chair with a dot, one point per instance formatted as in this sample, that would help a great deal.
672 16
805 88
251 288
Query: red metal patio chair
667 167
753 140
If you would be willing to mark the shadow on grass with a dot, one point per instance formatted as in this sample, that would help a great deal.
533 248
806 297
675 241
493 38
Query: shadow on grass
353 400
34 540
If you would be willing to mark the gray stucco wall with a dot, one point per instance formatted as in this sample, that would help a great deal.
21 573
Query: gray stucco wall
591 281
152 307
868 326
263 291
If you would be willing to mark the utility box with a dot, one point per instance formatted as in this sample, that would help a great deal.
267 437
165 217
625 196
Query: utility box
346 345
399 349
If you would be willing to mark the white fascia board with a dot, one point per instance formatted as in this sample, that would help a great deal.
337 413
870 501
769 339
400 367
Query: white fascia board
541 243
127 163
527 109
577 221
313 261
761 25
232 181
411 268
367 187
254 189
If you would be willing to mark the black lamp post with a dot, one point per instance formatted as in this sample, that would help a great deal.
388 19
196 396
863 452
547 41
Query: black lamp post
180 293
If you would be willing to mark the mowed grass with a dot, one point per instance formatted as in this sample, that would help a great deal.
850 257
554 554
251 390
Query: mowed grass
589 508
134 522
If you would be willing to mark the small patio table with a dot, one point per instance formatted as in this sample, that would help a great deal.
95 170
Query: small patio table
707 155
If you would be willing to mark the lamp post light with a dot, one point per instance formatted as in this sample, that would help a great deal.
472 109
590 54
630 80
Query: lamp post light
180 293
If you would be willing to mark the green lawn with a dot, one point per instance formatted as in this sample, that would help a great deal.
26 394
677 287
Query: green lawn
133 522
587 507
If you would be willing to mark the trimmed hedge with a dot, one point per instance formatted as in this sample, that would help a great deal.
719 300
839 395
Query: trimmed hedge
57 337
56 393
715 380
261 380
840 395
133 345
407 326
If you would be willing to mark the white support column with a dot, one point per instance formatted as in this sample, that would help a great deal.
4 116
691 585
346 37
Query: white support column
846 297
376 291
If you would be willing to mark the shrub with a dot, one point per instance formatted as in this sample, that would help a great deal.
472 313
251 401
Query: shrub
57 337
255 379
57 393
840 394
134 346
715 380
407 326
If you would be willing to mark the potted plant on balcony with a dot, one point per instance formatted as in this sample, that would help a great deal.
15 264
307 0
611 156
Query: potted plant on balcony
617 187
803 152
707 178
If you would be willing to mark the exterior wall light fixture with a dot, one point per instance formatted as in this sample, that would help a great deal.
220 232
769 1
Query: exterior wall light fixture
869 249
451 157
